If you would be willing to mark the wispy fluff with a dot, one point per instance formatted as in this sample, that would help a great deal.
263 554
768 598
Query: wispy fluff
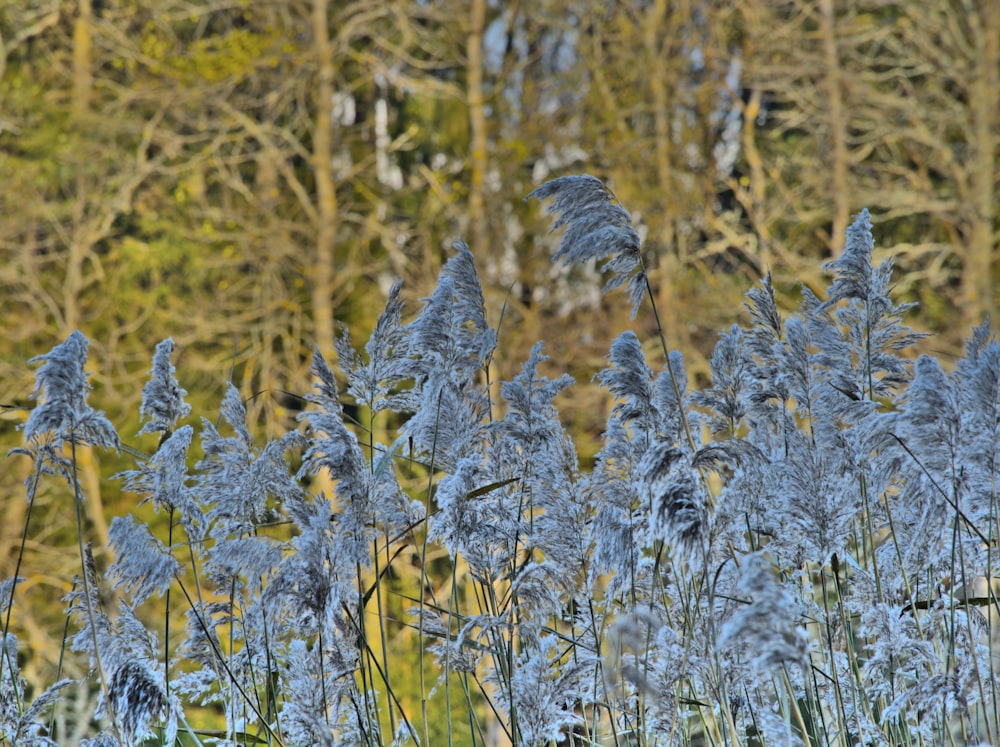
647 404
240 484
531 442
598 227
648 653
614 548
163 402
931 420
727 395
97 627
481 518
940 450
138 702
636 494
143 565
804 382
919 444
61 388
163 477
898 656
767 629
367 498
678 503
310 579
979 399
136 686
453 342
855 276
374 382
306 719
613 491
629 379
544 691
332 446
451 330
164 480
929 704
62 414
323 704
7 595
768 390
869 365
763 310
204 681
531 420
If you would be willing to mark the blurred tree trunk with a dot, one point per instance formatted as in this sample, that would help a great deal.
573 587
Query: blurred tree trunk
79 111
81 245
478 139
656 41
978 279
321 276
794 141
837 122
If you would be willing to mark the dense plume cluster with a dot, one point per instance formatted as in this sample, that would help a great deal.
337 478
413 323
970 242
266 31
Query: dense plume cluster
800 551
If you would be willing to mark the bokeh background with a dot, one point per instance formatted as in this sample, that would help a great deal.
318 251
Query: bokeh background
242 175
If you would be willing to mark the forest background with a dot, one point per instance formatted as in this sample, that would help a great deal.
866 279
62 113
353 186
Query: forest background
238 175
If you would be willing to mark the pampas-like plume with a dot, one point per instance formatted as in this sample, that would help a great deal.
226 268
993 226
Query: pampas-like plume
679 506
62 415
162 398
452 342
62 389
138 700
767 628
598 227
374 382
142 564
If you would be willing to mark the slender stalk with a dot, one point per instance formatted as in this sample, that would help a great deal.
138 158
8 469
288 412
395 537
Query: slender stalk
365 656
423 581
62 657
4 659
794 705
674 382
991 547
85 576
828 629
166 619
